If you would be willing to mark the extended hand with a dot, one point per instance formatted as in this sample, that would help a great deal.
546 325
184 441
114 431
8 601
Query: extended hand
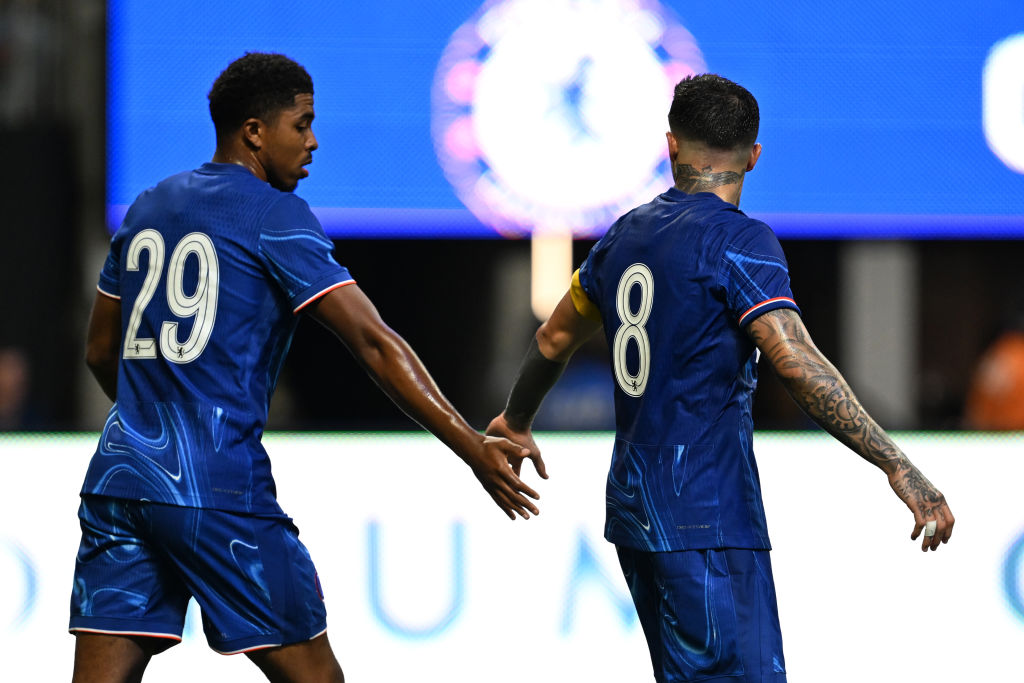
500 427
931 514
491 465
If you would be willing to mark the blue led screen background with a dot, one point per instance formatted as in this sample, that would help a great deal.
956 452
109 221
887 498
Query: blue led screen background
874 120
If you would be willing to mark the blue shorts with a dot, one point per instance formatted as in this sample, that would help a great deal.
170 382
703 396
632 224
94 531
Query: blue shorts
708 615
140 562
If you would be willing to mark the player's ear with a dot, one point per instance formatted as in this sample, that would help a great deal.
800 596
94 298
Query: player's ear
252 133
673 151
755 154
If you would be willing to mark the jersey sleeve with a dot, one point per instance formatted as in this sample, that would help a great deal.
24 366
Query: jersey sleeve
754 274
297 254
584 280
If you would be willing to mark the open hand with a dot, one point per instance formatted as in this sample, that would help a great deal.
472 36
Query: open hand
492 466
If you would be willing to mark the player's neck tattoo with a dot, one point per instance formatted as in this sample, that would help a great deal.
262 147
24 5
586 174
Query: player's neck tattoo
691 180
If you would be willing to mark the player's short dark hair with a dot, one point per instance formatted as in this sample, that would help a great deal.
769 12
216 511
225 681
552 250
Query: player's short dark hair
256 85
714 110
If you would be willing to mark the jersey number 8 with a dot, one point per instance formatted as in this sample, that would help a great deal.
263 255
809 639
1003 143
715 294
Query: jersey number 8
632 328
201 304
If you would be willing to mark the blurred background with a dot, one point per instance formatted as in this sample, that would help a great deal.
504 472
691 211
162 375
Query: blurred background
471 152
462 142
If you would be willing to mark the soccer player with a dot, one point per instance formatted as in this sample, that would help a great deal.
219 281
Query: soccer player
197 303
689 291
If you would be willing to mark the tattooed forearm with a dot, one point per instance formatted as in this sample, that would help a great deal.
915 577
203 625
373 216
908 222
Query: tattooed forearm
824 395
913 483
816 385
690 180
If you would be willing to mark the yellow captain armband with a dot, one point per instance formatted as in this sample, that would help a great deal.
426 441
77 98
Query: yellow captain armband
584 306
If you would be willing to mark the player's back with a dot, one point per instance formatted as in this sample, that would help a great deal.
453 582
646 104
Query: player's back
675 280
193 292
208 266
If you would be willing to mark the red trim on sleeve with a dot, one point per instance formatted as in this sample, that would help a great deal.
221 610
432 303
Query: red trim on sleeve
763 304
107 294
319 294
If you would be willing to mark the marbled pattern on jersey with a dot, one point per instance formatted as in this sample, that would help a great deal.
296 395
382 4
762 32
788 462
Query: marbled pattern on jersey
187 431
662 497
173 453
683 474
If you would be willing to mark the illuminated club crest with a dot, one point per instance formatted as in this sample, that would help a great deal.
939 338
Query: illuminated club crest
548 114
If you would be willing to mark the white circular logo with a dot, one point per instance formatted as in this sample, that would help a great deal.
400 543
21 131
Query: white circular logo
550 113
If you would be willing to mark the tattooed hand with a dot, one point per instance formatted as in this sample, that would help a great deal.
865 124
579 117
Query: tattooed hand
925 501
816 385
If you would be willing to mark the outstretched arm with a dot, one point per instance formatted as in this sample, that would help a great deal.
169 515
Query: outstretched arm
396 368
552 347
816 385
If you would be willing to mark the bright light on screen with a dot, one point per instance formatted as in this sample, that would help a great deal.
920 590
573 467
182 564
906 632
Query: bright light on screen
426 580
488 119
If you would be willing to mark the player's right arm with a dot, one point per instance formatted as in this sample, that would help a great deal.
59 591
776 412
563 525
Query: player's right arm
574 320
816 385
103 342
393 364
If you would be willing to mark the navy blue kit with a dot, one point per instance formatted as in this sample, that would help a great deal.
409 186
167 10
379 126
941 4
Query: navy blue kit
211 267
674 283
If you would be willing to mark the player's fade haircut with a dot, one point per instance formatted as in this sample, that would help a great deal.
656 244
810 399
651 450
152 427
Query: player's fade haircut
256 85
710 109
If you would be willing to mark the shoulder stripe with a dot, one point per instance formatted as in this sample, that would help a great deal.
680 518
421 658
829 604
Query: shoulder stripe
319 294
769 302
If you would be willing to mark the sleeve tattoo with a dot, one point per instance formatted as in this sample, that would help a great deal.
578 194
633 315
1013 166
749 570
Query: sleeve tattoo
818 388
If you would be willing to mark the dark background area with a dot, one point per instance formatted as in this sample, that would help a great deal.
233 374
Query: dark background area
436 294
443 296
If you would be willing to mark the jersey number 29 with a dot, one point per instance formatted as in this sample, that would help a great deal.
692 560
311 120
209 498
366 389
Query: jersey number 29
201 304
632 328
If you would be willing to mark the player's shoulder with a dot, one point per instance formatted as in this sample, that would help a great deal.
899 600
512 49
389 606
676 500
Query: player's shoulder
751 241
156 201
640 217
287 212
255 203
219 199
160 191
701 210
738 227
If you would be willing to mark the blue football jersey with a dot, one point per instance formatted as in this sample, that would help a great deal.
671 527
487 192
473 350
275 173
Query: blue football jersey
675 281
211 267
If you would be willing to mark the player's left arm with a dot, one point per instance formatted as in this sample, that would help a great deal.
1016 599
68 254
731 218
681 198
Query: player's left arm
816 385
103 342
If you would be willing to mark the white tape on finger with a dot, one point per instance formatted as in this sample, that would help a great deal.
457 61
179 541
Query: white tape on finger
929 528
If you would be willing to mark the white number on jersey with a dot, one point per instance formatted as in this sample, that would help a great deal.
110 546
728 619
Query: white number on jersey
632 328
153 242
201 305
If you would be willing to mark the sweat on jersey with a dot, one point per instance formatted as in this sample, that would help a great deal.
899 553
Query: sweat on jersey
211 267
674 282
